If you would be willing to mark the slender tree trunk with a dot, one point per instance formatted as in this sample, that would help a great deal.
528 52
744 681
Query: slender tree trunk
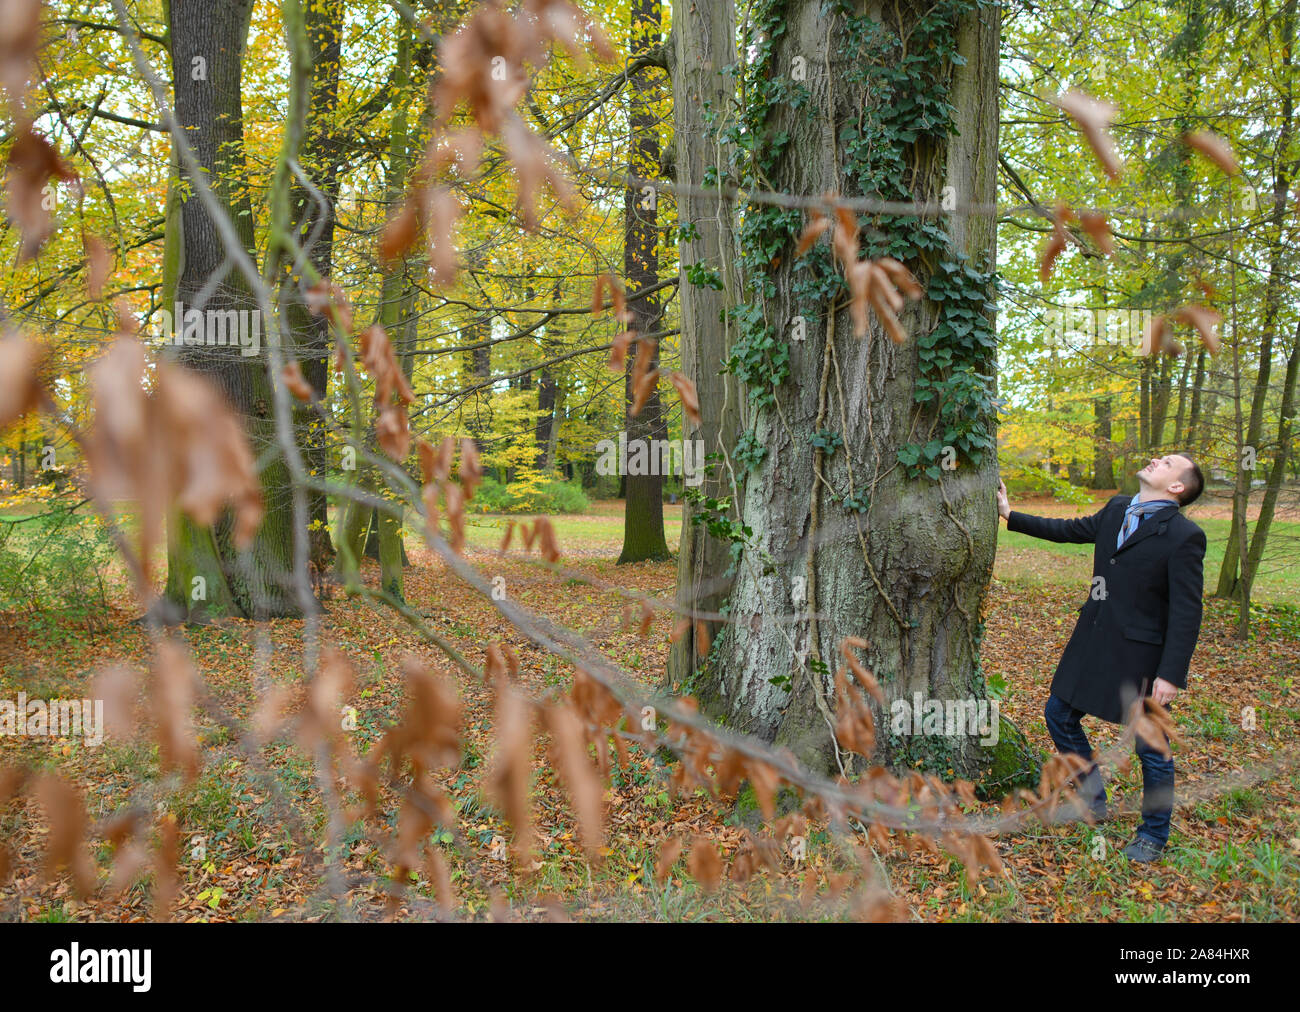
397 296
1277 473
643 519
1194 422
548 389
1182 400
314 215
1103 460
1230 572
704 47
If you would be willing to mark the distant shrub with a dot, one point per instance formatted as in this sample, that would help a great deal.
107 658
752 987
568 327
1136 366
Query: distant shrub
56 560
1022 480
547 495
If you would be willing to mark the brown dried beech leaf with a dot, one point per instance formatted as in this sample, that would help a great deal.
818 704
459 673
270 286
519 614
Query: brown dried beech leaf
118 686
33 162
166 861
535 165
855 727
483 66
380 362
428 736
1056 242
569 748
901 276
872 286
399 234
427 456
618 299
1215 148
548 544
868 680
172 696
1153 335
689 397
669 852
295 382
208 454
20 388
705 864
455 497
393 431
471 470
20 38
1153 725
98 266
328 299
1094 118
1098 228
1205 320
618 350
445 210
844 240
816 228
701 639
642 389
66 844
511 769
179 443
569 26
331 685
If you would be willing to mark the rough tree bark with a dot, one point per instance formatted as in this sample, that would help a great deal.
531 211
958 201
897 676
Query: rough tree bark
314 215
643 518
704 45
910 574
207 43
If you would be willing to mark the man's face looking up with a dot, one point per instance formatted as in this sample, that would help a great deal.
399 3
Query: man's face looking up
1163 476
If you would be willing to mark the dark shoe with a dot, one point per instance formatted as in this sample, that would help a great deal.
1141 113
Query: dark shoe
1143 850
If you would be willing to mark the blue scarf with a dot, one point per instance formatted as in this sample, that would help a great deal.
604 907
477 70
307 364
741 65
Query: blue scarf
1136 513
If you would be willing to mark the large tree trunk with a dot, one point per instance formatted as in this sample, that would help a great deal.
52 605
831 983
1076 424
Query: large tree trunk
909 574
207 44
643 517
703 47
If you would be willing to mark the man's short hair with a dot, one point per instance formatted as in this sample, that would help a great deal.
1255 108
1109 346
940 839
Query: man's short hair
1193 481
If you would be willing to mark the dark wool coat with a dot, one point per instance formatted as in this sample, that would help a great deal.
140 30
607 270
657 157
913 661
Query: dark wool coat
1141 619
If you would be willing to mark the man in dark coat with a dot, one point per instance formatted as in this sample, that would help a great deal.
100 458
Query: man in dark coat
1137 630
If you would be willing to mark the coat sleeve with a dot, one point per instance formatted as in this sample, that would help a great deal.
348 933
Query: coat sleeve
1185 587
1078 529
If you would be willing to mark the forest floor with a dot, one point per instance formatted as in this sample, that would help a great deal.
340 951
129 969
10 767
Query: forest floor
1234 855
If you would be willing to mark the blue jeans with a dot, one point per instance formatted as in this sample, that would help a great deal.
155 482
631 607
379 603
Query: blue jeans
1157 771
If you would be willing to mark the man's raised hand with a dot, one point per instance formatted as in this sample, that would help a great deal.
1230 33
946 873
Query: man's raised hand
1004 507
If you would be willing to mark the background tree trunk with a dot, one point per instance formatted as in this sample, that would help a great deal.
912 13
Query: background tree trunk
320 160
704 44
643 519
1103 460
